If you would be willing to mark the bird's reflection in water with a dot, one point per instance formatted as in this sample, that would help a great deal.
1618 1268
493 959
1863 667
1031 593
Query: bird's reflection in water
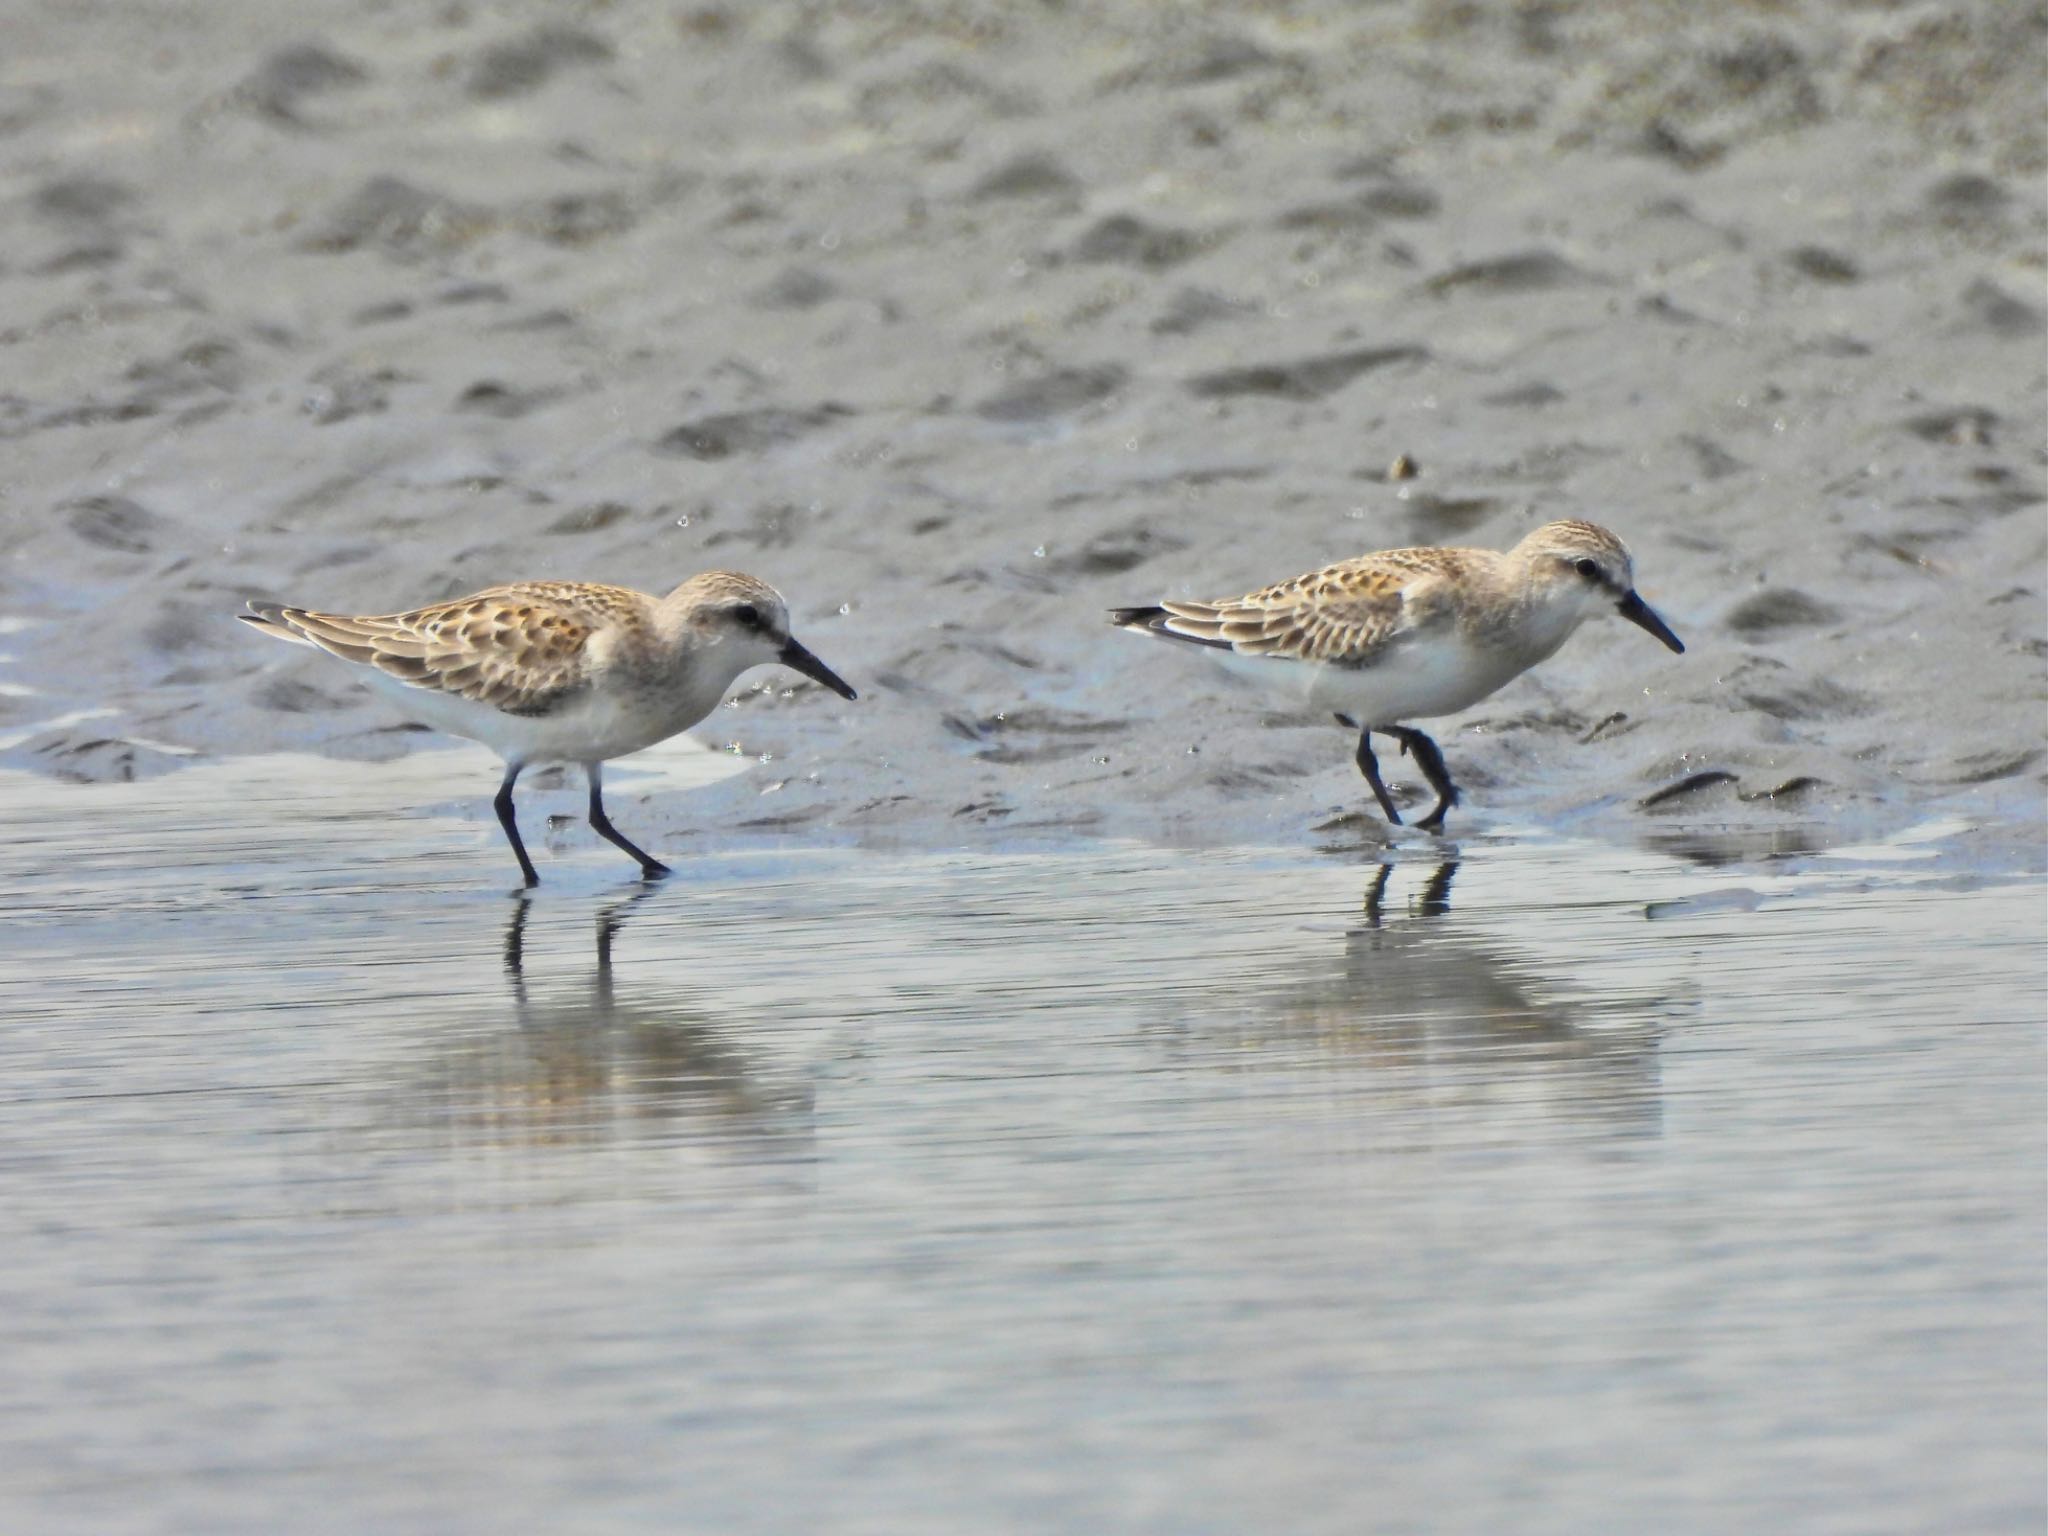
584 1064
1434 902
1451 1019
1717 848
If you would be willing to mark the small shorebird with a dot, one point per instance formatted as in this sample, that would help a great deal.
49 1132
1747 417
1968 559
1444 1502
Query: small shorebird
563 671
1409 634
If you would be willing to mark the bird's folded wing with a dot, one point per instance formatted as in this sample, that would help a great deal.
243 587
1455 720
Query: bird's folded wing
516 649
1314 618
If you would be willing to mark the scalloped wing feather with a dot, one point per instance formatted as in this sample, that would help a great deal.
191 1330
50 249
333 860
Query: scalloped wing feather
1344 614
519 649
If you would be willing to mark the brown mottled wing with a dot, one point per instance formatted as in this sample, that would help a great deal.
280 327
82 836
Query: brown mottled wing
1346 613
517 648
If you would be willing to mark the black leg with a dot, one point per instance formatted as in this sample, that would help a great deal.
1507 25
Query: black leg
1431 762
509 820
601 824
1370 767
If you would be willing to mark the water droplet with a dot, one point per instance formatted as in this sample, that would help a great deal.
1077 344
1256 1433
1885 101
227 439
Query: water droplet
829 241
1038 553
683 521
845 609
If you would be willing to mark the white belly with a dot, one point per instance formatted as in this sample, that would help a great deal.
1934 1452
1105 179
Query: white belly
594 728
1407 682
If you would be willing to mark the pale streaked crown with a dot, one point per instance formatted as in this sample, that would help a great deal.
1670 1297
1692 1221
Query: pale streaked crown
731 599
1569 541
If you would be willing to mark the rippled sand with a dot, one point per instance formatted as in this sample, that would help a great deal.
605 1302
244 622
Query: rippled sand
962 323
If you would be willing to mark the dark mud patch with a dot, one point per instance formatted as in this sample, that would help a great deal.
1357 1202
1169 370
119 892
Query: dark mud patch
1306 378
1780 608
1058 393
391 214
1523 272
1127 240
1033 174
743 433
521 65
281 86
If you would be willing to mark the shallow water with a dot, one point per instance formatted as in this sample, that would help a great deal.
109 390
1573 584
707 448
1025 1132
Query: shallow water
1566 1187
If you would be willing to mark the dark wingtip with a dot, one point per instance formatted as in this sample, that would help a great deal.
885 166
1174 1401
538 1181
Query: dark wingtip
1156 621
1136 618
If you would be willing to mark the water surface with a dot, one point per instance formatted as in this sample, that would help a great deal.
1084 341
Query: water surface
1546 1187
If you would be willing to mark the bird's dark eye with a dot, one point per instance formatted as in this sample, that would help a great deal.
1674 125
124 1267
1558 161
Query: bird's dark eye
748 615
1590 569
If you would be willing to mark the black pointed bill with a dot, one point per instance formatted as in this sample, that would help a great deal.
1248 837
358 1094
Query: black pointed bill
797 659
1636 611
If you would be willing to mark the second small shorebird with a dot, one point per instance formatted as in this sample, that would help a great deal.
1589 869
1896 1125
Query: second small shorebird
563 671
1410 634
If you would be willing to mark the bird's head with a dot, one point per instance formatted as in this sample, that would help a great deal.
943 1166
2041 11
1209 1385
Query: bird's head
747 620
1584 567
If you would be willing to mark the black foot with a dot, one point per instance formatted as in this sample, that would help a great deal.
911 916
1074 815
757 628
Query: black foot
1431 762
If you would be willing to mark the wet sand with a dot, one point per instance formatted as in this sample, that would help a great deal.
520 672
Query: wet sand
961 325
